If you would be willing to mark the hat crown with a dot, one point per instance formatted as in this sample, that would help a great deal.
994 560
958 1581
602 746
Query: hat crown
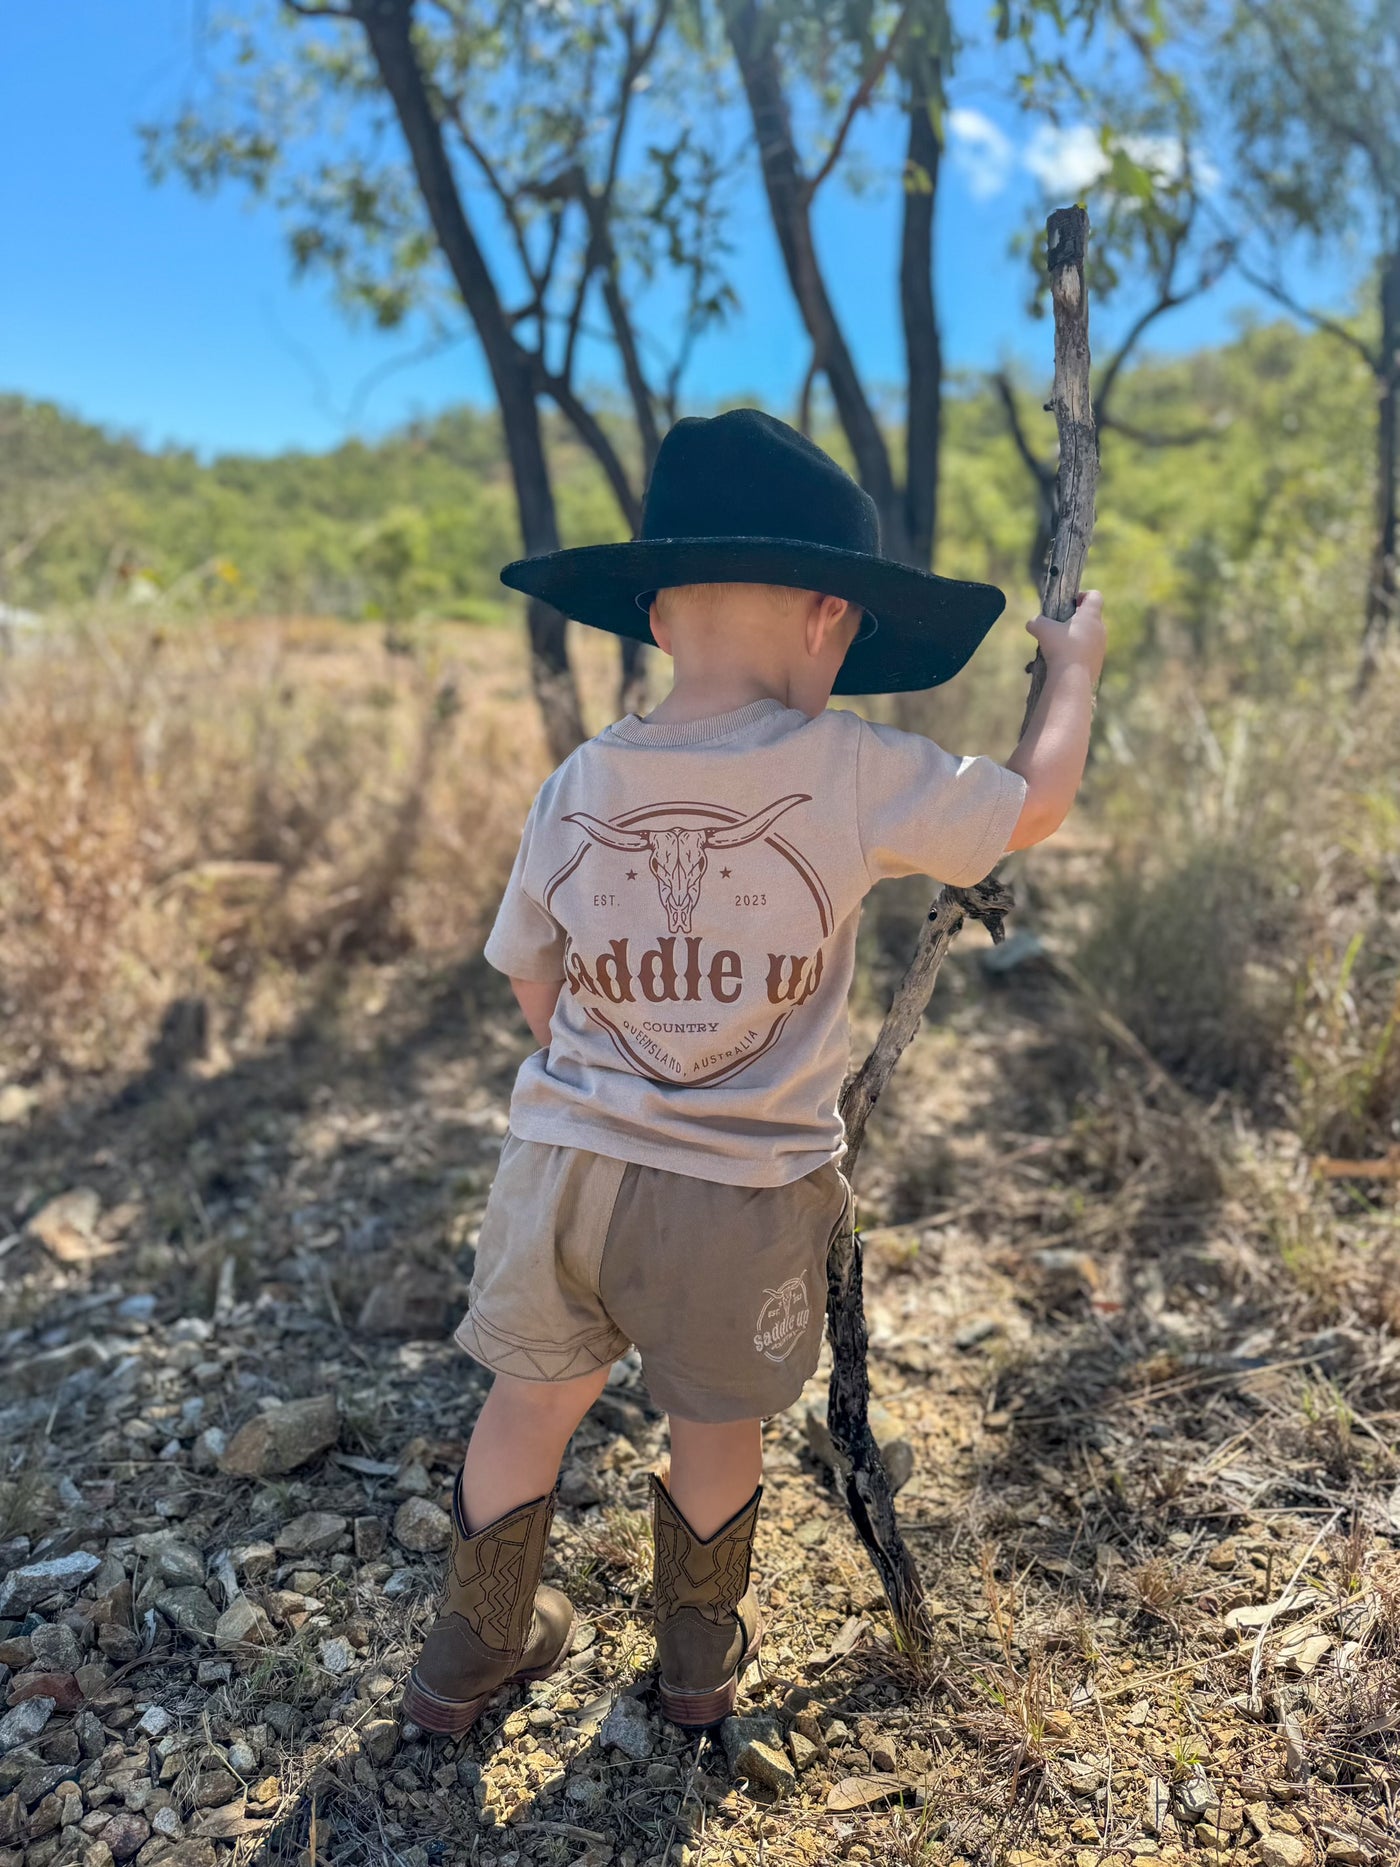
745 474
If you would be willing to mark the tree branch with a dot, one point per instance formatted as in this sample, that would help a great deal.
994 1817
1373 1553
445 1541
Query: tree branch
1318 319
594 437
879 65
1149 437
1042 470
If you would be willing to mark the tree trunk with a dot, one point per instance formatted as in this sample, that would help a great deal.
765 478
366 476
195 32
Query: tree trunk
751 37
388 26
922 345
1381 589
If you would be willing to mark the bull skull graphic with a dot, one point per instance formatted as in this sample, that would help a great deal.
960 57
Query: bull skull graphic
679 856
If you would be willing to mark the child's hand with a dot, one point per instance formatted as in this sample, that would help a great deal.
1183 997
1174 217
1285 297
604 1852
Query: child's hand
1080 642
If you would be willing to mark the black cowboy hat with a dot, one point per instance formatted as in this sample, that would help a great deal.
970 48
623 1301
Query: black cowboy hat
743 498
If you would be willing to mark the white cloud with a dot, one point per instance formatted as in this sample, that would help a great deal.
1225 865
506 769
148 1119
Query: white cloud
1065 161
1070 160
981 152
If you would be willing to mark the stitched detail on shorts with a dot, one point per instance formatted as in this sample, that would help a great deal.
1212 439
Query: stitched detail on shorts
540 1361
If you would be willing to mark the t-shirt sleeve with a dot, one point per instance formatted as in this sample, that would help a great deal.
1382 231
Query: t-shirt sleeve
921 811
526 941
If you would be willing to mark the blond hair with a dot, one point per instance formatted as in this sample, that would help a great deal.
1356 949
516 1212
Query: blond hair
707 599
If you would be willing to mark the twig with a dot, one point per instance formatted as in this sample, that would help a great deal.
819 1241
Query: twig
1256 1658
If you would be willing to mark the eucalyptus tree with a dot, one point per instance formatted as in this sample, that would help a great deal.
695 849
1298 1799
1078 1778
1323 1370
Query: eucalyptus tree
1311 90
502 158
826 64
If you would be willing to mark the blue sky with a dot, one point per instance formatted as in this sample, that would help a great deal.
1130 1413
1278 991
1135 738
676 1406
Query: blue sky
177 318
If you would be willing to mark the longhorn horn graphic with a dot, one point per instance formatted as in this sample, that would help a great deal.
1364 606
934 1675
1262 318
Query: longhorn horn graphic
632 840
733 834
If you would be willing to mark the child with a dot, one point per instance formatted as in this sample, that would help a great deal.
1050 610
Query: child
679 930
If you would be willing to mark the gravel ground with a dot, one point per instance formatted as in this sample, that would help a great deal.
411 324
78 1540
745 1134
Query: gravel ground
1148 1463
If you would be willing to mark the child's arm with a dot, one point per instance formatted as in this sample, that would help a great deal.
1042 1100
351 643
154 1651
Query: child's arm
1055 744
537 999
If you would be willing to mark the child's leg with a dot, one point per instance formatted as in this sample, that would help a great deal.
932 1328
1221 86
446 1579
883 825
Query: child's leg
518 1441
497 1622
706 1616
714 1470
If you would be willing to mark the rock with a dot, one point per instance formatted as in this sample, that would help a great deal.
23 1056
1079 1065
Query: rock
87 1727
419 1525
283 1718
188 1609
67 1227
628 1729
804 1751
125 1834
310 1533
120 1644
22 1587
1195 1800
414 1302
166 1821
254 1561
62 1688
578 1488
369 1538
215 1788
380 1738
283 1438
243 1624
214 1672
337 1656
55 1646
413 1479
1280 1850
15 1104
178 1564
26 1721
208 1449
155 1721
762 1763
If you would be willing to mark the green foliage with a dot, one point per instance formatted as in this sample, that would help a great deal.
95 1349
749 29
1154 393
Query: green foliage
1227 552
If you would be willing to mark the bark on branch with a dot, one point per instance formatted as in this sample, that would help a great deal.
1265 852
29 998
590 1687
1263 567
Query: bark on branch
869 1497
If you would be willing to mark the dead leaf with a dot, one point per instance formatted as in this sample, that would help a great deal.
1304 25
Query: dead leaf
867 1792
67 1227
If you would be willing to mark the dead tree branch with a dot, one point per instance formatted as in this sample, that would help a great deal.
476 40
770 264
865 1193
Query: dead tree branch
869 1496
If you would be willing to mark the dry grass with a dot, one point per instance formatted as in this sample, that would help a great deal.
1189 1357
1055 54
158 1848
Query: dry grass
218 813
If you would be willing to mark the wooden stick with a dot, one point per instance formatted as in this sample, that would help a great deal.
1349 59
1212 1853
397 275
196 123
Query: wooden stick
869 1497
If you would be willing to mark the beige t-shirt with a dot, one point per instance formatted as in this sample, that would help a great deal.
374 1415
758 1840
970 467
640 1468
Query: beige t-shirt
697 888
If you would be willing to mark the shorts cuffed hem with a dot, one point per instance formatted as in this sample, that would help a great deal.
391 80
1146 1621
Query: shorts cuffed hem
536 1361
711 1407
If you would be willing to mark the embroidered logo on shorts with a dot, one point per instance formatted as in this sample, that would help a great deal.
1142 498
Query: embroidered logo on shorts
783 1320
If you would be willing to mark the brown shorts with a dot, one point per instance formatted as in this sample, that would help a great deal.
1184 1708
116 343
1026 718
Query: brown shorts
721 1288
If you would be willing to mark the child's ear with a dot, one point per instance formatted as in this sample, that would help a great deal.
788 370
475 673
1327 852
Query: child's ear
660 631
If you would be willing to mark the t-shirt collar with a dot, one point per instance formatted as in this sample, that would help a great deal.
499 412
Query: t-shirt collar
637 731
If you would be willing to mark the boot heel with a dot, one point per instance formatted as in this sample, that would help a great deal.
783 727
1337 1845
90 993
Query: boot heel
444 1717
697 1711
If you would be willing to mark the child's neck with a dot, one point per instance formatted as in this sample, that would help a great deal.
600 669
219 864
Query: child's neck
704 693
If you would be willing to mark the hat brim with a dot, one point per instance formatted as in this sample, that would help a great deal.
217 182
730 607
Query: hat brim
929 627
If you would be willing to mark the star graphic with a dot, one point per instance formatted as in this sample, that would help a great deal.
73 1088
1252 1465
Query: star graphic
725 874
631 875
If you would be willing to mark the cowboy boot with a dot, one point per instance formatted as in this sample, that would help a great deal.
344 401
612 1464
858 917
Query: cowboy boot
495 1624
707 1617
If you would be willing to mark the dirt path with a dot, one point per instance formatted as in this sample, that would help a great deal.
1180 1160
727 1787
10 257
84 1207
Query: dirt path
1149 1481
